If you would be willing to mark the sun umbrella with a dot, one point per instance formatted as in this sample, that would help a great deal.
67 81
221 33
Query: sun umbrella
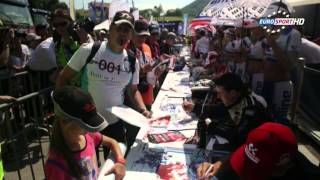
199 22
219 4
234 16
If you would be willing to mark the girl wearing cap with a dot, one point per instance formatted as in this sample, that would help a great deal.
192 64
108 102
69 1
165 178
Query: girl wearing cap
75 137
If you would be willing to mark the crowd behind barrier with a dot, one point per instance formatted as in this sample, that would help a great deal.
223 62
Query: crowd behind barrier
23 122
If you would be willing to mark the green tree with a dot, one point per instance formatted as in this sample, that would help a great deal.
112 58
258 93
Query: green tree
48 5
174 12
146 13
160 9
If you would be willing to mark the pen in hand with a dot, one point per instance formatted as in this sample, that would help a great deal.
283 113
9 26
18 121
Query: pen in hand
208 171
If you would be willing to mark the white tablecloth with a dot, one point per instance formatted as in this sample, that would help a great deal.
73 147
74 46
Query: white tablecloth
144 157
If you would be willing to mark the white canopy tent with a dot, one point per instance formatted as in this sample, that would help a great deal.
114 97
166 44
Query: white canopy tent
235 12
302 2
215 5
104 25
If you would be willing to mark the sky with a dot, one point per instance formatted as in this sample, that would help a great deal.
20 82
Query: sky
141 4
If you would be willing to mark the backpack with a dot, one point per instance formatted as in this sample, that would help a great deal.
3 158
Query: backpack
96 47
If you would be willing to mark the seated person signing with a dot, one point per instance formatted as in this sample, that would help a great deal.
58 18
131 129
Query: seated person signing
241 110
270 152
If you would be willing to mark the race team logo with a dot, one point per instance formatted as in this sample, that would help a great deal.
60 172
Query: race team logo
250 151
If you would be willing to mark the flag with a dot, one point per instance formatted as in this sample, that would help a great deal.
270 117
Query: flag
72 10
135 14
185 23
92 10
102 17
118 5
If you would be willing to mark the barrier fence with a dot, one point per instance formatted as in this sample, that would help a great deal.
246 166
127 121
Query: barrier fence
310 96
21 124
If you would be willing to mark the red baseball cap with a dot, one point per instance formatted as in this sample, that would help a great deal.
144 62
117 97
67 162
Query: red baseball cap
266 146
213 56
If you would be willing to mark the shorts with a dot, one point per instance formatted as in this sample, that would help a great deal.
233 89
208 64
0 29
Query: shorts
279 98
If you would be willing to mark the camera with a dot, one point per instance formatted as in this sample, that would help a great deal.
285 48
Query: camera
87 24
20 34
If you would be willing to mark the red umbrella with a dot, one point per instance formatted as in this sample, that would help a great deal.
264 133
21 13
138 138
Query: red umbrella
200 23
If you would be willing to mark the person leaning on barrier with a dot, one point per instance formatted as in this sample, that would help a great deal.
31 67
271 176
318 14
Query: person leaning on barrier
239 112
4 46
7 99
109 73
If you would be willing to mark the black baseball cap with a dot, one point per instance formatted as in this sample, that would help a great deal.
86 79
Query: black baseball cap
123 17
87 24
154 28
78 106
141 28
171 35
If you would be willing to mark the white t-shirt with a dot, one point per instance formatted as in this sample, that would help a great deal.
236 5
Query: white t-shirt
311 51
202 45
235 45
105 77
257 50
43 57
17 61
289 42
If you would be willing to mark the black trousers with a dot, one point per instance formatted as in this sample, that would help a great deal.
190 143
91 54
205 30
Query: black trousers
121 132
115 131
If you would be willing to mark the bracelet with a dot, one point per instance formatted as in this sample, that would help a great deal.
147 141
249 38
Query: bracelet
121 160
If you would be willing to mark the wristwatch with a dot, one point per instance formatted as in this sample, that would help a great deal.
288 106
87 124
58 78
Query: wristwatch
120 160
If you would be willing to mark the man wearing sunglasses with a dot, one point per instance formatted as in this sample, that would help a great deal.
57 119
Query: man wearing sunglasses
65 42
108 73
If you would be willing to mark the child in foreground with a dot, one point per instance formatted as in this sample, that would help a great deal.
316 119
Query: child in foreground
75 136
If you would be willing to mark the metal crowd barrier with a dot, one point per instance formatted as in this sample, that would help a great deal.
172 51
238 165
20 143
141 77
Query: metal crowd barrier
310 96
23 83
16 84
298 83
21 123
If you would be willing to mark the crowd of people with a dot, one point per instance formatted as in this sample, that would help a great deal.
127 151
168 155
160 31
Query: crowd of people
254 75
116 66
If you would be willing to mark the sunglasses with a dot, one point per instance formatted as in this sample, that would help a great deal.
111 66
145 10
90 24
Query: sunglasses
124 28
60 24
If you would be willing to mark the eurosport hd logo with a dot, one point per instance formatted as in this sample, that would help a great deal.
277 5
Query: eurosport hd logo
282 21
278 21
